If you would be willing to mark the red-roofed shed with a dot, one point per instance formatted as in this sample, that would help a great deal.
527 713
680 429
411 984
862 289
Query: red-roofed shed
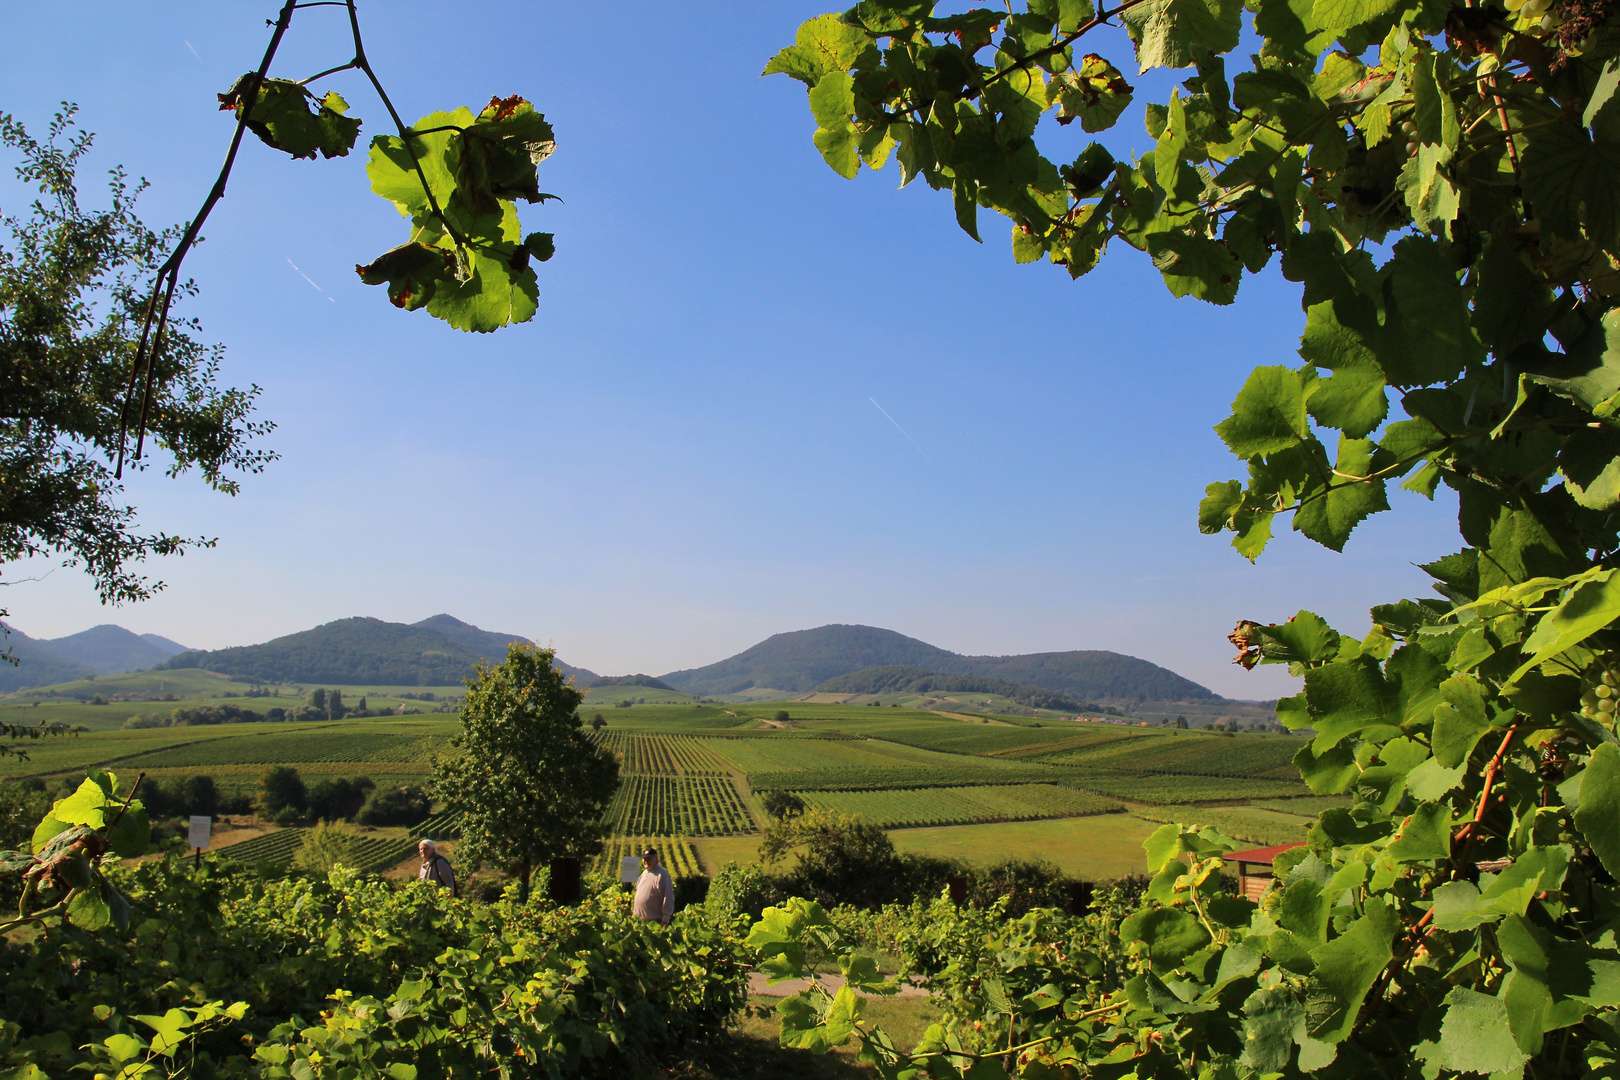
1254 867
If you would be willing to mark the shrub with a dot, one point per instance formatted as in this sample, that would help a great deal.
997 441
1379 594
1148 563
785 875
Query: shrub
325 848
395 806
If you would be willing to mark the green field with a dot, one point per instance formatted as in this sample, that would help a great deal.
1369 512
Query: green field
1093 848
678 806
960 805
691 770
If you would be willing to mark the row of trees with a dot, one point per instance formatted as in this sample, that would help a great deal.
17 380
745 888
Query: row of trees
283 797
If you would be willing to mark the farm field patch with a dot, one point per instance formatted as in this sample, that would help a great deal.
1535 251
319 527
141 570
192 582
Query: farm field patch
1248 823
1172 789
960 805
1268 757
678 806
654 755
371 853
679 856
1092 848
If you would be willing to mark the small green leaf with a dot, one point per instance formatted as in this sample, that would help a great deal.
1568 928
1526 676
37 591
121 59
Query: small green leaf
1477 1036
1588 608
1171 33
1095 93
1196 266
1598 817
1268 414
1170 936
285 115
1346 968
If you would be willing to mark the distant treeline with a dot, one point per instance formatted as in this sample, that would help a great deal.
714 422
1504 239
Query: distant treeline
321 705
904 679
632 680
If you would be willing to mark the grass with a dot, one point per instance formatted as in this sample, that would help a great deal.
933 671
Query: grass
1092 848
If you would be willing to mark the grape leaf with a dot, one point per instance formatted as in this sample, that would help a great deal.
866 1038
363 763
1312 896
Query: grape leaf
286 116
1170 33
1268 414
1477 1035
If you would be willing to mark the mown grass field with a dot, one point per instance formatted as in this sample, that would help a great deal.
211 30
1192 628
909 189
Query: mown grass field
693 773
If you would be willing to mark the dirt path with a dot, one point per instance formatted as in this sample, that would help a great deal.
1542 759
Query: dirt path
834 983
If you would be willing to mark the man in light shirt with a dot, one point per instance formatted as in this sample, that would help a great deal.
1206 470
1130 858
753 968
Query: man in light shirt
655 892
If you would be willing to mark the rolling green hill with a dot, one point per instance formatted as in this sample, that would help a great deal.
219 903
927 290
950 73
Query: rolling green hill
362 651
489 644
37 664
111 650
804 660
903 679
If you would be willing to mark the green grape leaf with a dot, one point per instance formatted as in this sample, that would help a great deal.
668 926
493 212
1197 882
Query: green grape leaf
98 906
1598 816
1345 970
1196 266
1171 33
1221 501
1477 1034
495 157
1353 399
412 272
823 44
132 834
286 116
1329 772
1590 462
1341 15
1586 609
48 828
1169 935
1304 639
1424 835
1268 414
1460 722
1435 339
1348 697
1331 516
1573 181
392 172
88 805
1095 93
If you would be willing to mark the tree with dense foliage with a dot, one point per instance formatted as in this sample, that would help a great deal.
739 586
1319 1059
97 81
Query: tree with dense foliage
72 291
1442 183
530 782
282 790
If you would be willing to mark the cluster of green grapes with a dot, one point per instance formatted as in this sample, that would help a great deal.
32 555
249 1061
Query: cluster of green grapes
1602 697
1535 14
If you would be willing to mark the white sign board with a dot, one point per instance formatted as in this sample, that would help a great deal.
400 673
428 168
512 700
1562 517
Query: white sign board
200 828
629 870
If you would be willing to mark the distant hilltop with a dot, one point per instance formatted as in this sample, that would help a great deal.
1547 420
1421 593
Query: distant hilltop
100 650
804 660
439 651
443 650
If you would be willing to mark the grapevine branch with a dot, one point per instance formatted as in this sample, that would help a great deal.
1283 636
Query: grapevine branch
168 274
154 323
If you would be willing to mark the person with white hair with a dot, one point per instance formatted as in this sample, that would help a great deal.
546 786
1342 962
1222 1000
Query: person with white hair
435 867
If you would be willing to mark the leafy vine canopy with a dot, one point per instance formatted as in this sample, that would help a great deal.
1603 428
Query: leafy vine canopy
1443 183
458 182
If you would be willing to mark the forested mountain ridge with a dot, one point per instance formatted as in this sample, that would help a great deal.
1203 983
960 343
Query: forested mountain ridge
364 651
902 679
802 660
37 664
110 650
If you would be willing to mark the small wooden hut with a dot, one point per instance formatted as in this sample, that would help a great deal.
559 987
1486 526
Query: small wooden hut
1254 868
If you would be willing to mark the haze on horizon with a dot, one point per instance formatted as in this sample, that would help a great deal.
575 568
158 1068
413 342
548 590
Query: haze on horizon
679 456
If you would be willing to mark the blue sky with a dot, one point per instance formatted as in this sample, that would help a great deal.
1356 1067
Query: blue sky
681 454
